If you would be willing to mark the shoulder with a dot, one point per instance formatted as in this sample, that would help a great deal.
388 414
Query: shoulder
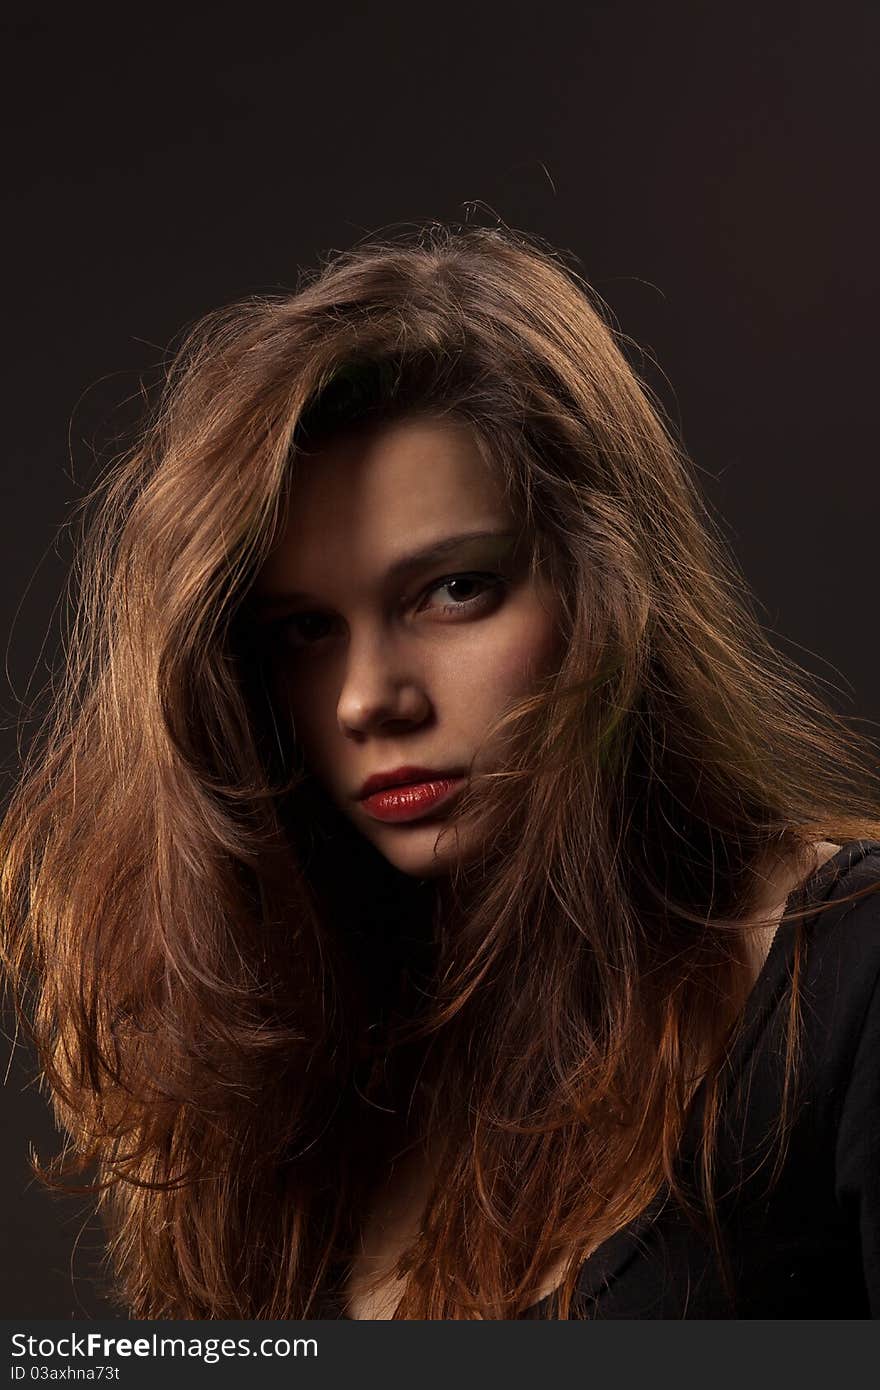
844 925
840 971
851 1073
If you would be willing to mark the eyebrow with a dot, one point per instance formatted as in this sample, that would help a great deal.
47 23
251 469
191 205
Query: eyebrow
400 567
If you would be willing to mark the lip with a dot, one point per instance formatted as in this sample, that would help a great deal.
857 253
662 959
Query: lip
407 793
413 801
406 775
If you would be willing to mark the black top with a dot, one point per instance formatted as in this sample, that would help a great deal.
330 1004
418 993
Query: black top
809 1247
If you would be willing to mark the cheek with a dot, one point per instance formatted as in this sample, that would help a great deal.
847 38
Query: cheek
510 659
529 649
309 710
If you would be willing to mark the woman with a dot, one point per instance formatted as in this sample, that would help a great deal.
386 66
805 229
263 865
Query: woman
442 900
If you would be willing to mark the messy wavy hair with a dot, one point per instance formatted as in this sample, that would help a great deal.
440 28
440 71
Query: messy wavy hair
232 995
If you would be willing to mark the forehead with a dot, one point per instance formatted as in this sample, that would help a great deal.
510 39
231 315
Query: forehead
369 494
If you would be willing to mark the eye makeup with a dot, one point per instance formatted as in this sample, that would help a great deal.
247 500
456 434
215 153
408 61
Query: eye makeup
470 550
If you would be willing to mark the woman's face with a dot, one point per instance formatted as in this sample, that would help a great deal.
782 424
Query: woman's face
402 620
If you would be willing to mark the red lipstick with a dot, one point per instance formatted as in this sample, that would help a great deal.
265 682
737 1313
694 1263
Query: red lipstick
407 793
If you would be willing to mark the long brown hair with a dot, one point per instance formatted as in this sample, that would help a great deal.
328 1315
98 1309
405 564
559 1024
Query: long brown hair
229 990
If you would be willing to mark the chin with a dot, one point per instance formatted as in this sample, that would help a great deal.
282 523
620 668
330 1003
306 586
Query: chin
421 851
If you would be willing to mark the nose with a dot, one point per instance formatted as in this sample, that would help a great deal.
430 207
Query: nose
380 689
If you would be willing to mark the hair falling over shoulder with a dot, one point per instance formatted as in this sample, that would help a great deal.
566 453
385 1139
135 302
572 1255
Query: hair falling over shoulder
224 1018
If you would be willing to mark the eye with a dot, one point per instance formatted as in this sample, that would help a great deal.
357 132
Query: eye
467 592
302 629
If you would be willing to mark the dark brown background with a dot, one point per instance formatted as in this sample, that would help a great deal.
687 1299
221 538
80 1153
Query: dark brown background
712 167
